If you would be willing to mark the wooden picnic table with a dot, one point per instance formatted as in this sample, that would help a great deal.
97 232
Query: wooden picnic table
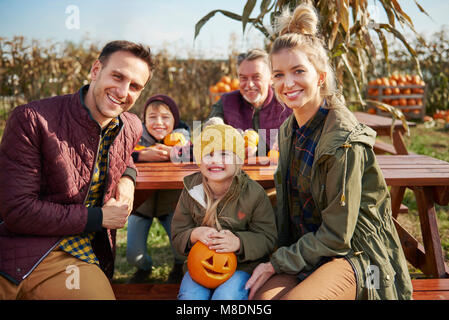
426 176
382 125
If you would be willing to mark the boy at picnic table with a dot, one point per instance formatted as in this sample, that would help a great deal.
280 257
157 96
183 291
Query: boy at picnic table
165 137
222 207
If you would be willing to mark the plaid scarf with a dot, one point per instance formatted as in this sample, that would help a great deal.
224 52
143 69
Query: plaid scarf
303 212
80 245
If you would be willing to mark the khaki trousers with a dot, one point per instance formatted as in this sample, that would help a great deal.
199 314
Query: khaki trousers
60 276
334 280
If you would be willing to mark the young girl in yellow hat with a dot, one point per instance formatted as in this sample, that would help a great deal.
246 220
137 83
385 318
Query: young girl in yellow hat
224 209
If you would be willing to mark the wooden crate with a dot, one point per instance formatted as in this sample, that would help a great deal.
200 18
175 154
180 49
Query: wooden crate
411 111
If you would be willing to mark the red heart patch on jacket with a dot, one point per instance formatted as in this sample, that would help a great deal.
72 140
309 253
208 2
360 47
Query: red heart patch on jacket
241 215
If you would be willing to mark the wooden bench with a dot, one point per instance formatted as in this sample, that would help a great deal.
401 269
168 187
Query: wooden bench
423 289
381 147
383 126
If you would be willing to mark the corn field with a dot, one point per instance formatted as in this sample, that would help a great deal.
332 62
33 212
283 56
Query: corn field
31 70
434 61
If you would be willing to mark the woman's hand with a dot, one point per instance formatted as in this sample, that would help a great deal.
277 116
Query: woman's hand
224 241
260 275
201 234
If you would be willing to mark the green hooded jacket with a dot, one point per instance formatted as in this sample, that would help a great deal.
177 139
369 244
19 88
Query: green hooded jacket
354 208
249 215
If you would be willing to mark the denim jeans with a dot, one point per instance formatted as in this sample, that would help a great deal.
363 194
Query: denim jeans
137 234
232 289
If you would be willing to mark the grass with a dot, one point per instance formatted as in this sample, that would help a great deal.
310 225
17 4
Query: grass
433 142
159 249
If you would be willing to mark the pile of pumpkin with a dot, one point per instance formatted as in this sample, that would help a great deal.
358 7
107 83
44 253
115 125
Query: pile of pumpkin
396 90
439 115
251 138
226 84
172 139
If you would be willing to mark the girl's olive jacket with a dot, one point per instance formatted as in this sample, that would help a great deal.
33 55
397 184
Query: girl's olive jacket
354 210
245 210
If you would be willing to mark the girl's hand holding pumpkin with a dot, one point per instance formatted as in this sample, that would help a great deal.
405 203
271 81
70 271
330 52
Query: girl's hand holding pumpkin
224 241
201 234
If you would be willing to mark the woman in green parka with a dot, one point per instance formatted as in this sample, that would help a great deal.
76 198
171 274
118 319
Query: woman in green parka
336 236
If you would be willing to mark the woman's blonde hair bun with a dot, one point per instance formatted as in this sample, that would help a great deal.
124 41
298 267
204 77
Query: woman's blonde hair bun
303 20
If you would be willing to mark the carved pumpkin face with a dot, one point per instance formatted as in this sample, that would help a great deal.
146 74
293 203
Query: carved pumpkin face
209 268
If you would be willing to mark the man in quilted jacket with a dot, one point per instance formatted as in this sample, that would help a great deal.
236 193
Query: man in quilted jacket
67 182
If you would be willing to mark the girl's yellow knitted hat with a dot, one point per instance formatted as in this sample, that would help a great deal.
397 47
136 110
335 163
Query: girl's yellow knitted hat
218 137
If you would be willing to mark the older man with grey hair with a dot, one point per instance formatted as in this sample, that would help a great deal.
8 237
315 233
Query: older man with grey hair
254 105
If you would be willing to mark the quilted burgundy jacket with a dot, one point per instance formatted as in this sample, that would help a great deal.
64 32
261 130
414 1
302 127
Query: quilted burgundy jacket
47 154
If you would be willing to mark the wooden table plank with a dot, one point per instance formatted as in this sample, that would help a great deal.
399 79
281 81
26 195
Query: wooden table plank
430 284
380 122
383 126
431 295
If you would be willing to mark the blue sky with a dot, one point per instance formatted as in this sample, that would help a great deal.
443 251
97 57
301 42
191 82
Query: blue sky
160 23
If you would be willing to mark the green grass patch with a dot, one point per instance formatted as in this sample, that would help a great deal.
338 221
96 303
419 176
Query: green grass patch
158 247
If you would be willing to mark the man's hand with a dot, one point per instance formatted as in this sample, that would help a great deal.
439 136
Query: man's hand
125 192
115 214
260 275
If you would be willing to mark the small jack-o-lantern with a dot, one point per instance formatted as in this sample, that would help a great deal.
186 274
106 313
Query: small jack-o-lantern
209 268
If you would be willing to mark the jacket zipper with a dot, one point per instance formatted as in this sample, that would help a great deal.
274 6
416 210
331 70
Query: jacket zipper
107 163
92 172
107 175
40 260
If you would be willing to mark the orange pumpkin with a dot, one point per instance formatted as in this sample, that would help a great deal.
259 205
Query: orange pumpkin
175 139
226 79
139 147
213 89
235 84
273 155
209 268
388 91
